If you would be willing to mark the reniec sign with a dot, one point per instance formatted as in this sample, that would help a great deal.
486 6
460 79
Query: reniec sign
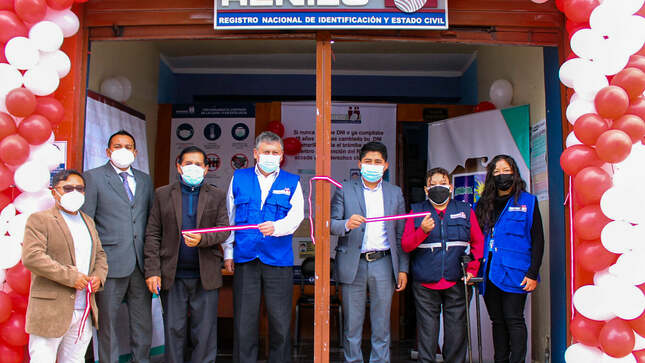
331 14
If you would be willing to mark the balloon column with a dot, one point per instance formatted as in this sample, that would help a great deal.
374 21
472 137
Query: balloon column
605 160
31 66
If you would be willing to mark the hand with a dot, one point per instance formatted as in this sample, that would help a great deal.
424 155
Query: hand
96 282
154 284
529 284
468 277
81 281
192 239
266 228
403 281
427 225
229 266
354 221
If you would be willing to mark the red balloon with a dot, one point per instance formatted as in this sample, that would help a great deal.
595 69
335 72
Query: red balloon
20 102
14 150
484 106
276 127
560 5
11 26
588 127
573 27
3 58
578 157
6 5
13 332
589 221
617 338
632 80
9 354
19 302
292 146
19 278
613 146
5 306
4 200
51 108
31 11
6 177
611 102
637 107
590 184
638 324
632 125
36 129
585 330
640 356
637 61
579 10
593 256
7 125
60 4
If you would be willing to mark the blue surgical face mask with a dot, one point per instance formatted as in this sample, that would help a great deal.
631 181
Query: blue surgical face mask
192 175
372 173
269 163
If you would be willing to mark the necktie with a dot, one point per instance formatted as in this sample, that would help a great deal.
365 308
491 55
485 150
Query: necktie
128 191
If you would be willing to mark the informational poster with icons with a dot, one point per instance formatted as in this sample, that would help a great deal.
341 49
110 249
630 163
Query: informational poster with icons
225 132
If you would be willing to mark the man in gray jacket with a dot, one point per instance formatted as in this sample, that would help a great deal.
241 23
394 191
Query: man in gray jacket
369 255
118 198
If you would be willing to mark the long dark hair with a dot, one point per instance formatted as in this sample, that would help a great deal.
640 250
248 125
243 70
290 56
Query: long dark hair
485 210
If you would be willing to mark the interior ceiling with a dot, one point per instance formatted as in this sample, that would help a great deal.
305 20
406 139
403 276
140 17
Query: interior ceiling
298 57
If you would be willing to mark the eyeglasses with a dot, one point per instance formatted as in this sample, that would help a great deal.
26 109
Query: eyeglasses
71 188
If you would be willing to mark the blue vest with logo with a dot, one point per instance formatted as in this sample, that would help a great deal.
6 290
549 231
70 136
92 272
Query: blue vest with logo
250 244
509 243
439 256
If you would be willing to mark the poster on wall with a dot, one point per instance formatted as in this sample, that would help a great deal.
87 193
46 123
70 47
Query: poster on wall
104 117
353 125
539 177
225 132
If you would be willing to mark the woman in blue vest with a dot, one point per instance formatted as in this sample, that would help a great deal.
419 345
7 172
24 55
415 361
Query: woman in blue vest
436 244
512 226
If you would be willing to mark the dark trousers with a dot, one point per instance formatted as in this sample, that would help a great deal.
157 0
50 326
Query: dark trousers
133 290
186 304
506 311
249 281
428 305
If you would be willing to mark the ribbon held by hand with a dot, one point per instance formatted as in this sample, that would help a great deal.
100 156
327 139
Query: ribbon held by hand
311 218
86 312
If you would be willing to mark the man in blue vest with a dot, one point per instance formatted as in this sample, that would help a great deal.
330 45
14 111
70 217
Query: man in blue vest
263 258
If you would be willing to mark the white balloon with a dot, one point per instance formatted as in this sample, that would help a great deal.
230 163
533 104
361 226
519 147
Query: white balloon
573 69
3 274
612 59
47 36
623 202
587 86
10 78
605 17
34 202
579 108
592 303
11 252
127 87
629 358
627 301
501 93
640 342
7 214
580 353
618 237
57 60
48 154
585 43
572 140
112 88
41 81
624 6
629 268
22 53
604 278
65 19
639 245
32 176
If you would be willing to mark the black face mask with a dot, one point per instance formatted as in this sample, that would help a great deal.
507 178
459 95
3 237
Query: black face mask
504 181
438 194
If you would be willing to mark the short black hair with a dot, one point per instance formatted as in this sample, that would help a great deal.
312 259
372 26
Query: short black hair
64 175
189 150
373 146
441 171
124 133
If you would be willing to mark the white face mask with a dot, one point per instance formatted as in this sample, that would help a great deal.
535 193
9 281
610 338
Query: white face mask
269 163
72 201
192 175
122 158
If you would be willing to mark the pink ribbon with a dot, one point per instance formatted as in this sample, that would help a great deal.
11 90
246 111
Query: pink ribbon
311 218
86 313
395 217
569 199
220 229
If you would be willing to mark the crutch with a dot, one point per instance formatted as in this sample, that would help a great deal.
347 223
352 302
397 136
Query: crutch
476 281
465 259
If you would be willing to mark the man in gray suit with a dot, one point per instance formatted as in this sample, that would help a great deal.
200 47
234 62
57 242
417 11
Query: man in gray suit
118 198
369 255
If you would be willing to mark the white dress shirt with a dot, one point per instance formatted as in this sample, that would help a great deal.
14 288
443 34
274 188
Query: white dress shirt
375 237
282 227
131 182
82 250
